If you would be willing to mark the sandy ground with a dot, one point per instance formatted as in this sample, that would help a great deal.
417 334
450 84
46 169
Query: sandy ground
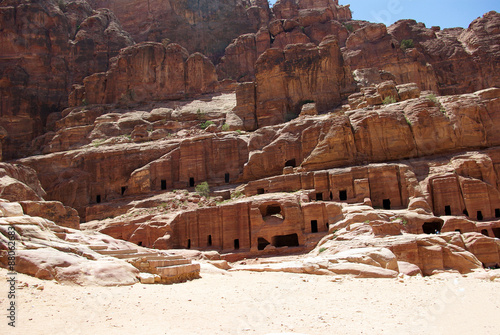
258 303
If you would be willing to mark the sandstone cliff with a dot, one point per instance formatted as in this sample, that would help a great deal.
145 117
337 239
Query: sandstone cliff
46 47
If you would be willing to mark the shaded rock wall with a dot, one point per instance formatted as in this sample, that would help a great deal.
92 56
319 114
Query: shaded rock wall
205 26
46 47
149 71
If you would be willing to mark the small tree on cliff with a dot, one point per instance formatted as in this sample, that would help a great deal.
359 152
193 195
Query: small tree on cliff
203 189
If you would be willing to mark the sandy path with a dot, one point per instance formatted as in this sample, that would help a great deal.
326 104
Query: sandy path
259 303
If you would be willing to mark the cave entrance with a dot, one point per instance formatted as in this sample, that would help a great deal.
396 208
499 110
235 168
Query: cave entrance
386 203
272 210
236 244
319 196
226 178
458 231
496 232
314 226
485 232
432 227
163 184
291 163
497 212
447 210
480 216
466 212
139 243
98 199
123 190
189 244
191 182
291 240
262 243
260 191
343 195
209 240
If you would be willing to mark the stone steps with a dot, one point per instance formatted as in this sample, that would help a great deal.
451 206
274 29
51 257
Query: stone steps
167 268
117 252
98 247
177 270
168 262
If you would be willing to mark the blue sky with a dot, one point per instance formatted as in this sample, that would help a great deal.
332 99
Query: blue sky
443 13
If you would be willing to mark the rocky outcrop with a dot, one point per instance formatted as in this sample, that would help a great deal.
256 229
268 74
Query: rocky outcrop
19 182
294 22
413 128
205 26
46 47
150 71
54 211
449 61
48 251
302 73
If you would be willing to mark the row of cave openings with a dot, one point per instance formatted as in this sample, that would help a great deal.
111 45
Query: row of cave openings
163 186
479 214
291 240
163 182
236 243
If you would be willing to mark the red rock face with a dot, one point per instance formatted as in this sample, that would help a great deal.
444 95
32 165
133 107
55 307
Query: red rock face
295 22
301 73
451 61
205 26
46 48
150 71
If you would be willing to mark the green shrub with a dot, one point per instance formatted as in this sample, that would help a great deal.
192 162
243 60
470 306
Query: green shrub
204 125
322 249
389 100
225 127
203 189
432 97
407 44
407 120
236 194
349 27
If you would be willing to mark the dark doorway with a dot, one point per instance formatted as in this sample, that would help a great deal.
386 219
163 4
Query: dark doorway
260 191
331 196
327 226
497 213
485 232
124 189
386 203
191 182
272 210
466 212
189 244
262 243
163 184
291 163
480 216
98 199
314 226
343 195
236 244
432 227
209 242
226 178
458 231
447 210
496 232
139 243
291 240
319 196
